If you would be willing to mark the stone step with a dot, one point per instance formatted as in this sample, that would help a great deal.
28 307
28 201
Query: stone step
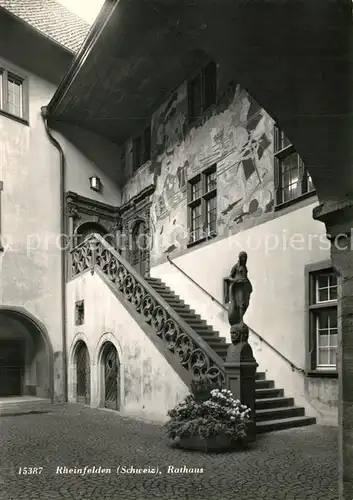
165 291
284 423
194 322
267 414
159 285
264 384
215 341
149 279
203 331
186 315
162 287
260 375
174 300
221 349
197 322
22 405
176 303
202 327
183 308
215 338
155 284
268 393
210 337
276 402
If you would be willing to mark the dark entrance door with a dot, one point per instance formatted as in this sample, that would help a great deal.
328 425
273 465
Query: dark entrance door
139 248
83 374
111 377
12 367
87 229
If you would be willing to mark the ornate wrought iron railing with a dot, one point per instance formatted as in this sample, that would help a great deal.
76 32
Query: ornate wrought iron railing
194 354
292 365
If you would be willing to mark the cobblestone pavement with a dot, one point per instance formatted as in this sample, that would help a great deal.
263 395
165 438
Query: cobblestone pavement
287 465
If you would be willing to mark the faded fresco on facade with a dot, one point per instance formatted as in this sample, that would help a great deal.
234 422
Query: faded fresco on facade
238 139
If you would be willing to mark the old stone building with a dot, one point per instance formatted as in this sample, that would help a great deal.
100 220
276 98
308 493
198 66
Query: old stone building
31 314
149 164
208 174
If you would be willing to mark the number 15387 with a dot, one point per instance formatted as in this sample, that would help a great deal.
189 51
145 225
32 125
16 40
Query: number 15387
24 471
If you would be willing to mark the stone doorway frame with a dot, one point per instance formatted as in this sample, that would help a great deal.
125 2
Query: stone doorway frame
136 210
80 211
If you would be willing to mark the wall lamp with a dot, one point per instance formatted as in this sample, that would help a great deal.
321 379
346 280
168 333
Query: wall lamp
95 183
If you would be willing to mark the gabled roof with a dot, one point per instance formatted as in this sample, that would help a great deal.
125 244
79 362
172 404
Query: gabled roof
52 19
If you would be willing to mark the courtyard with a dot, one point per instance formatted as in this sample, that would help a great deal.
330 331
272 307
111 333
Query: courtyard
74 452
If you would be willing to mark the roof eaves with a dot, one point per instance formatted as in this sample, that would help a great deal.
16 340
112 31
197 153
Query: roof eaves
82 55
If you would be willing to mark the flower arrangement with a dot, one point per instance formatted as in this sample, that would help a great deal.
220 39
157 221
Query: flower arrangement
218 414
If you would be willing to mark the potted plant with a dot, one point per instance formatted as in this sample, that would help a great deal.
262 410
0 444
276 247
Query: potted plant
214 422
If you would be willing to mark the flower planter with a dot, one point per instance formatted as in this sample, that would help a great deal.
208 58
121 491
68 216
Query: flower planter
216 414
219 442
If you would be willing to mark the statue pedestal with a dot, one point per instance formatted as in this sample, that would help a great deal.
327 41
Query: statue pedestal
240 368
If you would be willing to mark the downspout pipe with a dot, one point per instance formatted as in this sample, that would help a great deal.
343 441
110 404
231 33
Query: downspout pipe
56 144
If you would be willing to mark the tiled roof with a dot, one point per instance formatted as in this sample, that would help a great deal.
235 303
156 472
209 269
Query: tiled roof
51 19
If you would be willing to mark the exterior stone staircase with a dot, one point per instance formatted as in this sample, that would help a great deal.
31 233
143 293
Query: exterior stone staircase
274 411
195 347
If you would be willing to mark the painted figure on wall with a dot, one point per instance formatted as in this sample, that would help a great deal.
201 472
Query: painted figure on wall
170 186
162 210
181 174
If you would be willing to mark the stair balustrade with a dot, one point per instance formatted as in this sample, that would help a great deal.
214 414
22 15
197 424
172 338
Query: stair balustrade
194 354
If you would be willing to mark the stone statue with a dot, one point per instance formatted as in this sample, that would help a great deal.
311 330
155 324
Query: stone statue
240 290
240 365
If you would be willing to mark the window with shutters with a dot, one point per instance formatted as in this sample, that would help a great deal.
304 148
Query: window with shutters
14 98
141 148
292 180
202 91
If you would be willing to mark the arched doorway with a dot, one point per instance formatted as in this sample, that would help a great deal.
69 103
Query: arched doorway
85 230
139 247
110 372
83 373
26 360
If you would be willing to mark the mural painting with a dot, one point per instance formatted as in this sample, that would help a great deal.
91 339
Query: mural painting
136 183
237 139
